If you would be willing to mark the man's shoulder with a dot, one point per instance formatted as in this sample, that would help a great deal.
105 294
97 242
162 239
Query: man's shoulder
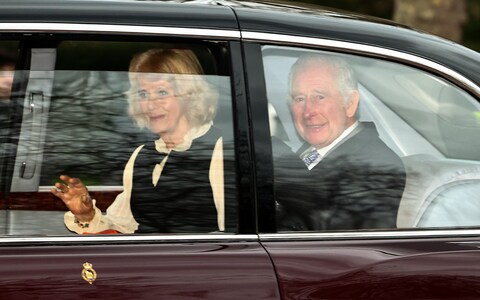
367 145
366 138
284 158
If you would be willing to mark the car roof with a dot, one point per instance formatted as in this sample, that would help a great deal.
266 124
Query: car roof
316 22
195 14
273 17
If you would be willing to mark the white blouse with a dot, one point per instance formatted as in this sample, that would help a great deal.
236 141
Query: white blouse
119 216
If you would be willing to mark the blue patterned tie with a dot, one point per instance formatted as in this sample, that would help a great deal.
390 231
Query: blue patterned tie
311 157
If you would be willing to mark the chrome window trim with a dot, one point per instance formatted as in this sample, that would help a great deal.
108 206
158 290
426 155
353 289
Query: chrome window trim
265 237
327 236
93 188
128 239
365 49
116 29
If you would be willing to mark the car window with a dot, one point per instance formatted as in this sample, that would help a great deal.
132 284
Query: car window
408 157
76 120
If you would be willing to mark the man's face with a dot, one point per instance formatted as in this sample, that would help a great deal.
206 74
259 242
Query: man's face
319 111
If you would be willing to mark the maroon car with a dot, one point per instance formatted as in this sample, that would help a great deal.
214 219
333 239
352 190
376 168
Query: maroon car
405 228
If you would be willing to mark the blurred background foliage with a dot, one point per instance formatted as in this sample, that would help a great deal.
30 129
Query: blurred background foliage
457 20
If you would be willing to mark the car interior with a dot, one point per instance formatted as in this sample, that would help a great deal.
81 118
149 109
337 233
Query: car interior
75 122
419 116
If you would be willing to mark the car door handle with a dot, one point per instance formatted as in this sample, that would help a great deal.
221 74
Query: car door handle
27 169
35 97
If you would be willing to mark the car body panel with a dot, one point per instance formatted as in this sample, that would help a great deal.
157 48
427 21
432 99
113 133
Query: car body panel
152 270
147 13
380 269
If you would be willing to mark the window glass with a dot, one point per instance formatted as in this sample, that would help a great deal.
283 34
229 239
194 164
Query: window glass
8 61
151 146
362 143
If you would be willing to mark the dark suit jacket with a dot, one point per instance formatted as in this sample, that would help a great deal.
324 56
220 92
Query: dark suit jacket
356 185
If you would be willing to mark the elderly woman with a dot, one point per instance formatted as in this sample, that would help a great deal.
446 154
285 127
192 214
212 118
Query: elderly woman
174 184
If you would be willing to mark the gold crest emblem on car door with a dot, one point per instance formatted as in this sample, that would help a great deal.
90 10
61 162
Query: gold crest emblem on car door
88 273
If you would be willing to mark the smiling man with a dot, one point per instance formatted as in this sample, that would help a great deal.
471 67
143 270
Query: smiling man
324 103
344 176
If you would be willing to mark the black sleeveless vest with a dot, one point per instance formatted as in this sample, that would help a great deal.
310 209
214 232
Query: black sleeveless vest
182 201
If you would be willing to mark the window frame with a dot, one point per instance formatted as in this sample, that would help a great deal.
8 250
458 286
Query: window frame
254 41
246 219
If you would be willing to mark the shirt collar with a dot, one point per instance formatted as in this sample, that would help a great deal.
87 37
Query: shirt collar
323 151
192 134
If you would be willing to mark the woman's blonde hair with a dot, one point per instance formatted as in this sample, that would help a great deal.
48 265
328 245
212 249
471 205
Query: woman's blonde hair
194 94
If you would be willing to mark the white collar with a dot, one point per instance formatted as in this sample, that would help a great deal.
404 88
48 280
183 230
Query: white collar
192 134
323 151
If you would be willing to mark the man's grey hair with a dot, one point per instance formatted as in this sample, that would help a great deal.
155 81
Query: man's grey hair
345 75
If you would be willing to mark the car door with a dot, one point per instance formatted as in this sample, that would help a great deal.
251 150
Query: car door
428 121
68 115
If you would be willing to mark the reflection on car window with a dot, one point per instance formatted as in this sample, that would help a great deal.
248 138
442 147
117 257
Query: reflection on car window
92 135
8 61
87 126
428 126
